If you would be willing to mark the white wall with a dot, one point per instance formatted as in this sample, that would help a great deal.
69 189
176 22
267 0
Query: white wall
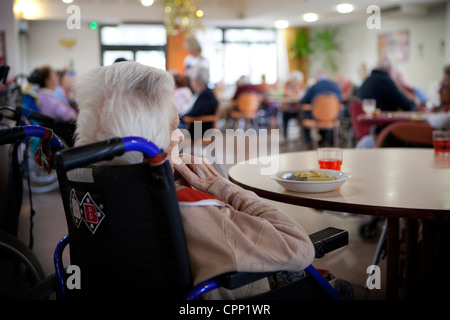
423 67
42 46
9 25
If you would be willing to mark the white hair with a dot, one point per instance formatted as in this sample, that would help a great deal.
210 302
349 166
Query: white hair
126 99
201 74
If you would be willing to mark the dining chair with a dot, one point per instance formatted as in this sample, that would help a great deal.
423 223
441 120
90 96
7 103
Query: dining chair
325 111
210 118
359 130
412 134
247 108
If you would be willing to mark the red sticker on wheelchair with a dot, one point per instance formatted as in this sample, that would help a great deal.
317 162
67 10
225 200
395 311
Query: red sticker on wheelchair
92 213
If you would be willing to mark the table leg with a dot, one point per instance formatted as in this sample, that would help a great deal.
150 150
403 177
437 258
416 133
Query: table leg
392 248
411 258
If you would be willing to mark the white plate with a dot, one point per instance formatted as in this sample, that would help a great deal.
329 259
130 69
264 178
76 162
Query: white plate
312 186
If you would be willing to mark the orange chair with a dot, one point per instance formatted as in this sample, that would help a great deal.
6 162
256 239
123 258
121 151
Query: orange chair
412 134
325 110
248 104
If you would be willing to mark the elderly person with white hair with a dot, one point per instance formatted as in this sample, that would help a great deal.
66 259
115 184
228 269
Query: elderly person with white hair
235 230
204 102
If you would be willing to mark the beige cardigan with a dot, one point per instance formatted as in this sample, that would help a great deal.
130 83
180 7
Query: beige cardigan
244 233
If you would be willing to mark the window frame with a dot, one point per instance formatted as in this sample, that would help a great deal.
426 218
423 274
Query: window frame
132 48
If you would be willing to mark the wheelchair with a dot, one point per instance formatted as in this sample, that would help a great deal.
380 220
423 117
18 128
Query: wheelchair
20 270
126 237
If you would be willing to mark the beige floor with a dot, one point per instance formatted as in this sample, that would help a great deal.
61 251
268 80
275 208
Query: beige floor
349 263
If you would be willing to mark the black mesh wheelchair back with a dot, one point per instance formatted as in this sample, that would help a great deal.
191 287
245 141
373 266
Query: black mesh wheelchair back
125 229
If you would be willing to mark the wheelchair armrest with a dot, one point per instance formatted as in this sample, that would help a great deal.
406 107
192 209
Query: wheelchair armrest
328 240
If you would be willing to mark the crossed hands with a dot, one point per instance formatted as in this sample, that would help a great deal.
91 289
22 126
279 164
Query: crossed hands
198 172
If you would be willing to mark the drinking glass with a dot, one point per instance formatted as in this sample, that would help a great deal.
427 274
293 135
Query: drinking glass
441 142
330 158
369 106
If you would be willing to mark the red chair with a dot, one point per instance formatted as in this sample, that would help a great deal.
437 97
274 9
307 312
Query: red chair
411 134
359 130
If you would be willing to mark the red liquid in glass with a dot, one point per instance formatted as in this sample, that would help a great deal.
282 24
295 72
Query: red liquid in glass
330 164
441 146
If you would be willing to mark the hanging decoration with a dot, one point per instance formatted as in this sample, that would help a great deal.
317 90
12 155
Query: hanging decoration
182 15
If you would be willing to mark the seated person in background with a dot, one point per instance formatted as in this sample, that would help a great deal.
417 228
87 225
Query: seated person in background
237 230
323 85
382 88
440 119
182 93
205 102
293 90
243 85
51 105
64 89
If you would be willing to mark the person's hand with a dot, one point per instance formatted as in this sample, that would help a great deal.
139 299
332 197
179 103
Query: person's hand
196 171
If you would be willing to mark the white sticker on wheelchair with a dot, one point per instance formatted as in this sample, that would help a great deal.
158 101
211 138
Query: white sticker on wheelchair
75 208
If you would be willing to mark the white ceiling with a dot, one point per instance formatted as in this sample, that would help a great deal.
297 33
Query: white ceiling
241 13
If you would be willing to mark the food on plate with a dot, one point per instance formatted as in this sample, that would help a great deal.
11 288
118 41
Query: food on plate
311 175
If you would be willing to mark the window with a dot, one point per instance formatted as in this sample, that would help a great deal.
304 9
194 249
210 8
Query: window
236 52
145 44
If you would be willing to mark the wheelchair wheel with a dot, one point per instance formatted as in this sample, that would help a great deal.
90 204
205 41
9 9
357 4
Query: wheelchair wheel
20 270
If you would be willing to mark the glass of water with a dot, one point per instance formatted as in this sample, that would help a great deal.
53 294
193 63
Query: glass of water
369 106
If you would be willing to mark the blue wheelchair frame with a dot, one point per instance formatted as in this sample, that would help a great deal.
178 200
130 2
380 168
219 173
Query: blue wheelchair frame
117 147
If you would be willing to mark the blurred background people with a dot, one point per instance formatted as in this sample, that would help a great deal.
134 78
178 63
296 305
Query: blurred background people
64 88
293 92
380 86
205 103
195 57
440 119
322 85
182 93
51 105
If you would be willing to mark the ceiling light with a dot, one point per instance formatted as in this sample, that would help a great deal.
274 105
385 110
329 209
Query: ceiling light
26 9
146 3
310 17
344 8
67 1
281 24
199 13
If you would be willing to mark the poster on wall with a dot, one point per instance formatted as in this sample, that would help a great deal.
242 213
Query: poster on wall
394 45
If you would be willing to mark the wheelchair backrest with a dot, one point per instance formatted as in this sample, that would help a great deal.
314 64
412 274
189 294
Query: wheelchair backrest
125 230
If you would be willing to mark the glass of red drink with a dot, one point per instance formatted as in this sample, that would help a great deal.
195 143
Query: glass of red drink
330 158
441 142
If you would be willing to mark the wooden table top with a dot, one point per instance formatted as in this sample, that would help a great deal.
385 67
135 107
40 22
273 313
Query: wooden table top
390 182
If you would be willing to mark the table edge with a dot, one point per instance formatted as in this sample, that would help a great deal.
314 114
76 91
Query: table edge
320 204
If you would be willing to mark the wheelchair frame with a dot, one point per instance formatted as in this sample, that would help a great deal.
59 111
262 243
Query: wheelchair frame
324 241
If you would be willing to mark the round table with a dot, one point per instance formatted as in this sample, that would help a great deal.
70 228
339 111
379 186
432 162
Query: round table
391 182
